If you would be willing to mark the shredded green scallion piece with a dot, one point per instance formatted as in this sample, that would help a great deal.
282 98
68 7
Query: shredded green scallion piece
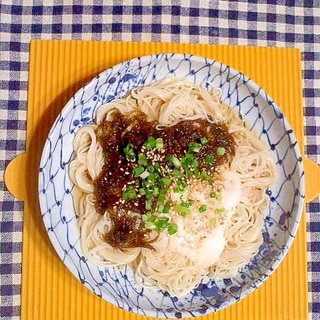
209 159
221 151
189 161
162 223
159 143
142 159
150 143
219 197
204 140
172 229
166 208
176 190
129 193
137 171
194 147
165 181
202 208
148 204
128 151
204 175
213 195
181 185
144 174
176 162
161 199
182 210
153 179
219 210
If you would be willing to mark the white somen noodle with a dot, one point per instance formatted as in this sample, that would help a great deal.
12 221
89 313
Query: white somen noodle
215 243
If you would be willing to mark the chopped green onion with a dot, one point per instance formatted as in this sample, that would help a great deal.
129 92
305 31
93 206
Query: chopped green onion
162 224
181 185
188 173
142 159
155 191
204 140
176 162
142 191
163 191
149 216
186 204
189 161
190 202
169 159
148 204
202 208
213 195
150 143
161 199
182 210
137 171
151 168
221 151
204 175
172 229
219 210
165 181
209 159
219 197
149 225
177 174
129 193
196 172
149 195
128 151
166 208
159 143
144 174
153 176
194 147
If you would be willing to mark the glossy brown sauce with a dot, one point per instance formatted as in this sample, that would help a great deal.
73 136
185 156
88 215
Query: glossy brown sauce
117 170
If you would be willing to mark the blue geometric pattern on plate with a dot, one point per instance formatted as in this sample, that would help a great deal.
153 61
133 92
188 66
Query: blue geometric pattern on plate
281 218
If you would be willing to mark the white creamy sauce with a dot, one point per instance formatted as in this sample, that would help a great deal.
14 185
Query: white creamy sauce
211 248
196 238
203 250
231 191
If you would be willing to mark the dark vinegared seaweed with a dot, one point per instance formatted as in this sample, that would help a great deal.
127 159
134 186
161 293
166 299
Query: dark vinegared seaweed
117 171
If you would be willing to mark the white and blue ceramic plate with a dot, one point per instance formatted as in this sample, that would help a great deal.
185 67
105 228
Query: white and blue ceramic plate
281 218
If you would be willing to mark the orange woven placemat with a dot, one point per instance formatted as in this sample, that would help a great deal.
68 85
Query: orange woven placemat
57 70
